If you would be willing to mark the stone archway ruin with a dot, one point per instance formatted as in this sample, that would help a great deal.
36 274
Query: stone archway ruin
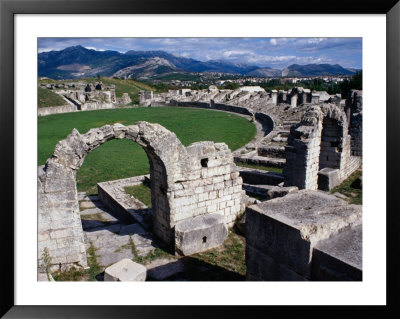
318 153
186 182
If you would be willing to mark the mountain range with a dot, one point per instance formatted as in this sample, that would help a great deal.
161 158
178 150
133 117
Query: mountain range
78 61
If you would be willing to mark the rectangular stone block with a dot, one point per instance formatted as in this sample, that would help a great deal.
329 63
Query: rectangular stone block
125 270
339 258
261 267
286 229
328 178
199 234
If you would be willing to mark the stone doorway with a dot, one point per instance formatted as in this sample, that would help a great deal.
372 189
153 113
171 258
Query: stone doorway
331 144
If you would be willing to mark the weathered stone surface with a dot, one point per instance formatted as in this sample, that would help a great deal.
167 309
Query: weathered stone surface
185 182
256 176
199 234
87 204
44 277
162 269
286 229
339 257
125 270
261 267
321 140
328 178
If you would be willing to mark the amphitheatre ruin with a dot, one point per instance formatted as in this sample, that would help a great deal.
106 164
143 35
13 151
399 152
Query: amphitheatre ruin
298 231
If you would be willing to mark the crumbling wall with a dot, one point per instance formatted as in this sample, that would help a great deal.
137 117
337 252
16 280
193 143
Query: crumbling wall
185 182
354 110
320 140
253 98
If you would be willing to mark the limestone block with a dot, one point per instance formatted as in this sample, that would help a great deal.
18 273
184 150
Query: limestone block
125 270
328 178
339 258
261 267
286 229
199 234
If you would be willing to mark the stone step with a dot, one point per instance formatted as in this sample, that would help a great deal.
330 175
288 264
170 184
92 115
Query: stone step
288 126
261 161
269 191
259 177
283 133
288 122
275 151
280 139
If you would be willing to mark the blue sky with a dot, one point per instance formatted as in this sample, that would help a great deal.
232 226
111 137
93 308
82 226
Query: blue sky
272 52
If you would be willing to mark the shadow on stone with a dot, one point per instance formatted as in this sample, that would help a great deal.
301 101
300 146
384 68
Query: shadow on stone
88 224
198 270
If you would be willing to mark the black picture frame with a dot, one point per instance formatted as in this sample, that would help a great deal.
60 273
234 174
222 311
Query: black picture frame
9 8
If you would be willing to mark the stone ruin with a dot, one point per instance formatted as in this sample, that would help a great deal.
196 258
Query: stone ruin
252 97
316 138
84 96
306 235
318 154
196 191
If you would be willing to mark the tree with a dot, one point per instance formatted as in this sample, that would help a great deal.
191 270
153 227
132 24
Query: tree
230 85
355 83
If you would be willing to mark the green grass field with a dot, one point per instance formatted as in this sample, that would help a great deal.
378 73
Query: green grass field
123 158
141 192
48 98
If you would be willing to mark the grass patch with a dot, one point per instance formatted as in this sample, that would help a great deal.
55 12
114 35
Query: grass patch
264 168
123 158
152 255
48 98
74 274
230 256
141 192
350 187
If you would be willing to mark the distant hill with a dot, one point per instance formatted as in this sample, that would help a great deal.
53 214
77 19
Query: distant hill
315 70
78 62
265 72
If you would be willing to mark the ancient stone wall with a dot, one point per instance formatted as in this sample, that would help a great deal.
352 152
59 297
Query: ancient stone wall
320 140
43 111
185 182
354 110
83 97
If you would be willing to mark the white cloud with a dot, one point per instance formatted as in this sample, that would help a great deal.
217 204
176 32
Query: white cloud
40 50
93 48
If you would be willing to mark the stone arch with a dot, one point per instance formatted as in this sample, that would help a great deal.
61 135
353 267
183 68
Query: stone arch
185 182
333 135
319 141
59 219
